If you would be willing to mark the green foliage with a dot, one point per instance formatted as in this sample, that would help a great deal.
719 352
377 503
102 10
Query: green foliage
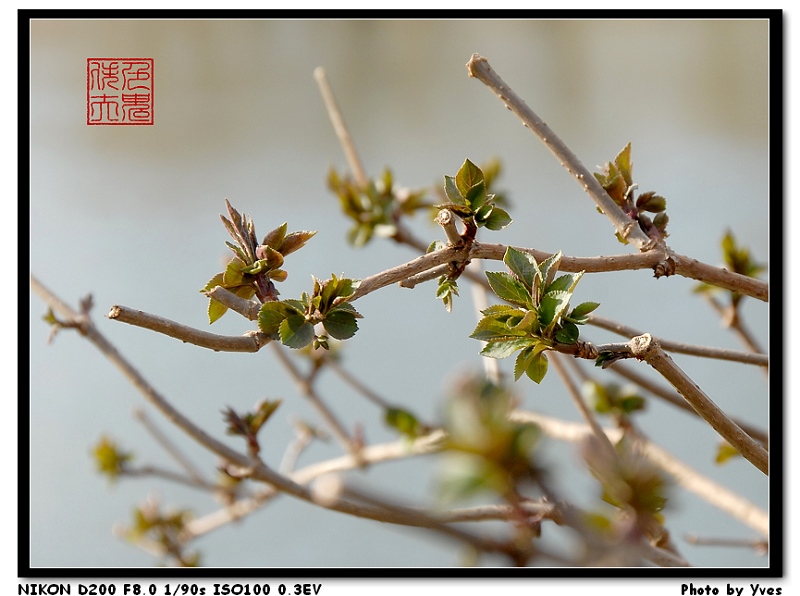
469 199
255 266
376 209
725 452
164 529
617 180
613 399
629 481
404 422
486 450
109 458
737 259
292 321
538 315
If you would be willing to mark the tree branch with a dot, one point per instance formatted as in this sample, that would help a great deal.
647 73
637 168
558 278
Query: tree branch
252 341
478 67
645 347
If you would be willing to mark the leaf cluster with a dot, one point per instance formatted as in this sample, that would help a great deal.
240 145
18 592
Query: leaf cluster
164 529
109 458
617 180
293 321
537 315
612 399
487 450
376 209
255 266
249 424
737 259
468 198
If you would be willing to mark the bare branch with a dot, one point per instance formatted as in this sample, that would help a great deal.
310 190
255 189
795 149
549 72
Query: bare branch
252 341
682 348
169 446
478 67
645 347
339 127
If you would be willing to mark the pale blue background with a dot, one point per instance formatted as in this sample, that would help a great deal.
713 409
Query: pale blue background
130 215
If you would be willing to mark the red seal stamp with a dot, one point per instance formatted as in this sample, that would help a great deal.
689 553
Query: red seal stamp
119 91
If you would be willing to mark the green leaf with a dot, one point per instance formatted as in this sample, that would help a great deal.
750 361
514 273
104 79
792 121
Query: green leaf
452 192
568 333
272 314
537 367
552 307
340 324
521 264
532 362
502 309
403 421
508 288
504 348
296 332
476 197
469 175
215 310
580 313
549 267
498 219
624 164
233 275
726 452
295 241
564 283
491 329
213 283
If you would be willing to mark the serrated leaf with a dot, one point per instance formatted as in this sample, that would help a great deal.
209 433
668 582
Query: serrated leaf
233 275
340 324
490 329
498 220
564 283
624 164
502 309
296 332
469 175
532 362
295 241
452 192
508 288
215 310
275 237
215 281
521 264
504 348
272 314
552 307
549 267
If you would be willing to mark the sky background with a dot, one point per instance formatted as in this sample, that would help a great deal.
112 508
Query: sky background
130 215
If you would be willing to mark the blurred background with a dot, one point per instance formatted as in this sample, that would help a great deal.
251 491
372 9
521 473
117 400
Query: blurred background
130 215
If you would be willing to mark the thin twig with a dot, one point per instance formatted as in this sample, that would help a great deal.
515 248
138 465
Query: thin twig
169 446
305 387
252 341
627 228
731 320
149 470
356 384
478 67
339 127
683 348
645 347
